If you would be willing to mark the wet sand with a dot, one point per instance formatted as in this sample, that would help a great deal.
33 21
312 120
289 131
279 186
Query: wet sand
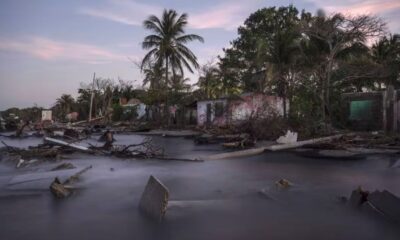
216 199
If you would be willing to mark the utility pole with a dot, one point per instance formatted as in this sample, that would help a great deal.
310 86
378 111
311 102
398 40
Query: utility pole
91 99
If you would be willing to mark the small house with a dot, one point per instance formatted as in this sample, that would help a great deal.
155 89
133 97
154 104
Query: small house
232 110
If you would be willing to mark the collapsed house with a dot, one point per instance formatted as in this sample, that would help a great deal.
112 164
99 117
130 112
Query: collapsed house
372 111
232 110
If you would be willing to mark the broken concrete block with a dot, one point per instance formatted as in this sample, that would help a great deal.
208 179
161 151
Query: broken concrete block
358 197
387 203
154 200
58 189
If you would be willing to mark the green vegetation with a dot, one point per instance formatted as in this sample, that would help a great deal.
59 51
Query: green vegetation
309 60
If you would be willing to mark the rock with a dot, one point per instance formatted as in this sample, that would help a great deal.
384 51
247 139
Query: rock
290 137
58 189
358 197
63 166
283 183
154 200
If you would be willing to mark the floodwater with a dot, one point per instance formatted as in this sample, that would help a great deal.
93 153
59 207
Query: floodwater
216 199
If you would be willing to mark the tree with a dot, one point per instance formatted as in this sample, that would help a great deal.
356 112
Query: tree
64 105
210 81
386 54
337 35
167 44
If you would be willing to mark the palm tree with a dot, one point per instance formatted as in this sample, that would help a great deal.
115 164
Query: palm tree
210 81
153 76
167 43
65 104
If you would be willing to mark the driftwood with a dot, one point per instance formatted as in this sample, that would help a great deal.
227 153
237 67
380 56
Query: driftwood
63 190
66 144
145 149
255 151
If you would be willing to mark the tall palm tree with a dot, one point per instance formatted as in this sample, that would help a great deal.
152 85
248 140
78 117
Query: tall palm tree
167 43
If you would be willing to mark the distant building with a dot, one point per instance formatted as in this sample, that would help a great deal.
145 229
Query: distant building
134 105
46 115
231 110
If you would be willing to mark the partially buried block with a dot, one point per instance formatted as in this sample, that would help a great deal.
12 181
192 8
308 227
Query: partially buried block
154 199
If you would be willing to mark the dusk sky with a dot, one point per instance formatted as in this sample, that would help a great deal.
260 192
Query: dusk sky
49 47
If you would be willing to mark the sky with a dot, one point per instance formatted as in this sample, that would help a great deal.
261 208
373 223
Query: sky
49 47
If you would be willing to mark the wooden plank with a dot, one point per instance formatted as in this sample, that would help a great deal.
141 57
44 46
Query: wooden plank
66 144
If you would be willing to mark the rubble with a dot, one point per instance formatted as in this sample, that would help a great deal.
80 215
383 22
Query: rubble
66 144
382 203
63 190
154 200
58 189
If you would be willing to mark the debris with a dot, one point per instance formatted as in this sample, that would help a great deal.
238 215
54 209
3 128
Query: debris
255 151
387 203
58 189
66 144
290 137
71 133
24 163
283 184
63 190
63 166
358 197
20 163
154 200
107 136
382 203
76 176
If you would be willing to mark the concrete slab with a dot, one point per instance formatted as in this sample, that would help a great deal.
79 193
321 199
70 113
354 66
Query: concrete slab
154 200
387 203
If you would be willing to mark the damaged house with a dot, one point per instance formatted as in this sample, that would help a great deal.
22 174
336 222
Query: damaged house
367 111
231 110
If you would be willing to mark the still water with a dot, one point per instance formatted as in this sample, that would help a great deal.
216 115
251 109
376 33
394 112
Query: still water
218 199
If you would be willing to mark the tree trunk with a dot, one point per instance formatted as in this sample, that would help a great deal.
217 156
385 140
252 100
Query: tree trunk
166 93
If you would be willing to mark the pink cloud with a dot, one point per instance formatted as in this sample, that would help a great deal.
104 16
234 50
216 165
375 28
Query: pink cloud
50 50
358 7
228 16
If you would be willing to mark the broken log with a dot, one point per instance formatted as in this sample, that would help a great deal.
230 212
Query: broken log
76 176
256 151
